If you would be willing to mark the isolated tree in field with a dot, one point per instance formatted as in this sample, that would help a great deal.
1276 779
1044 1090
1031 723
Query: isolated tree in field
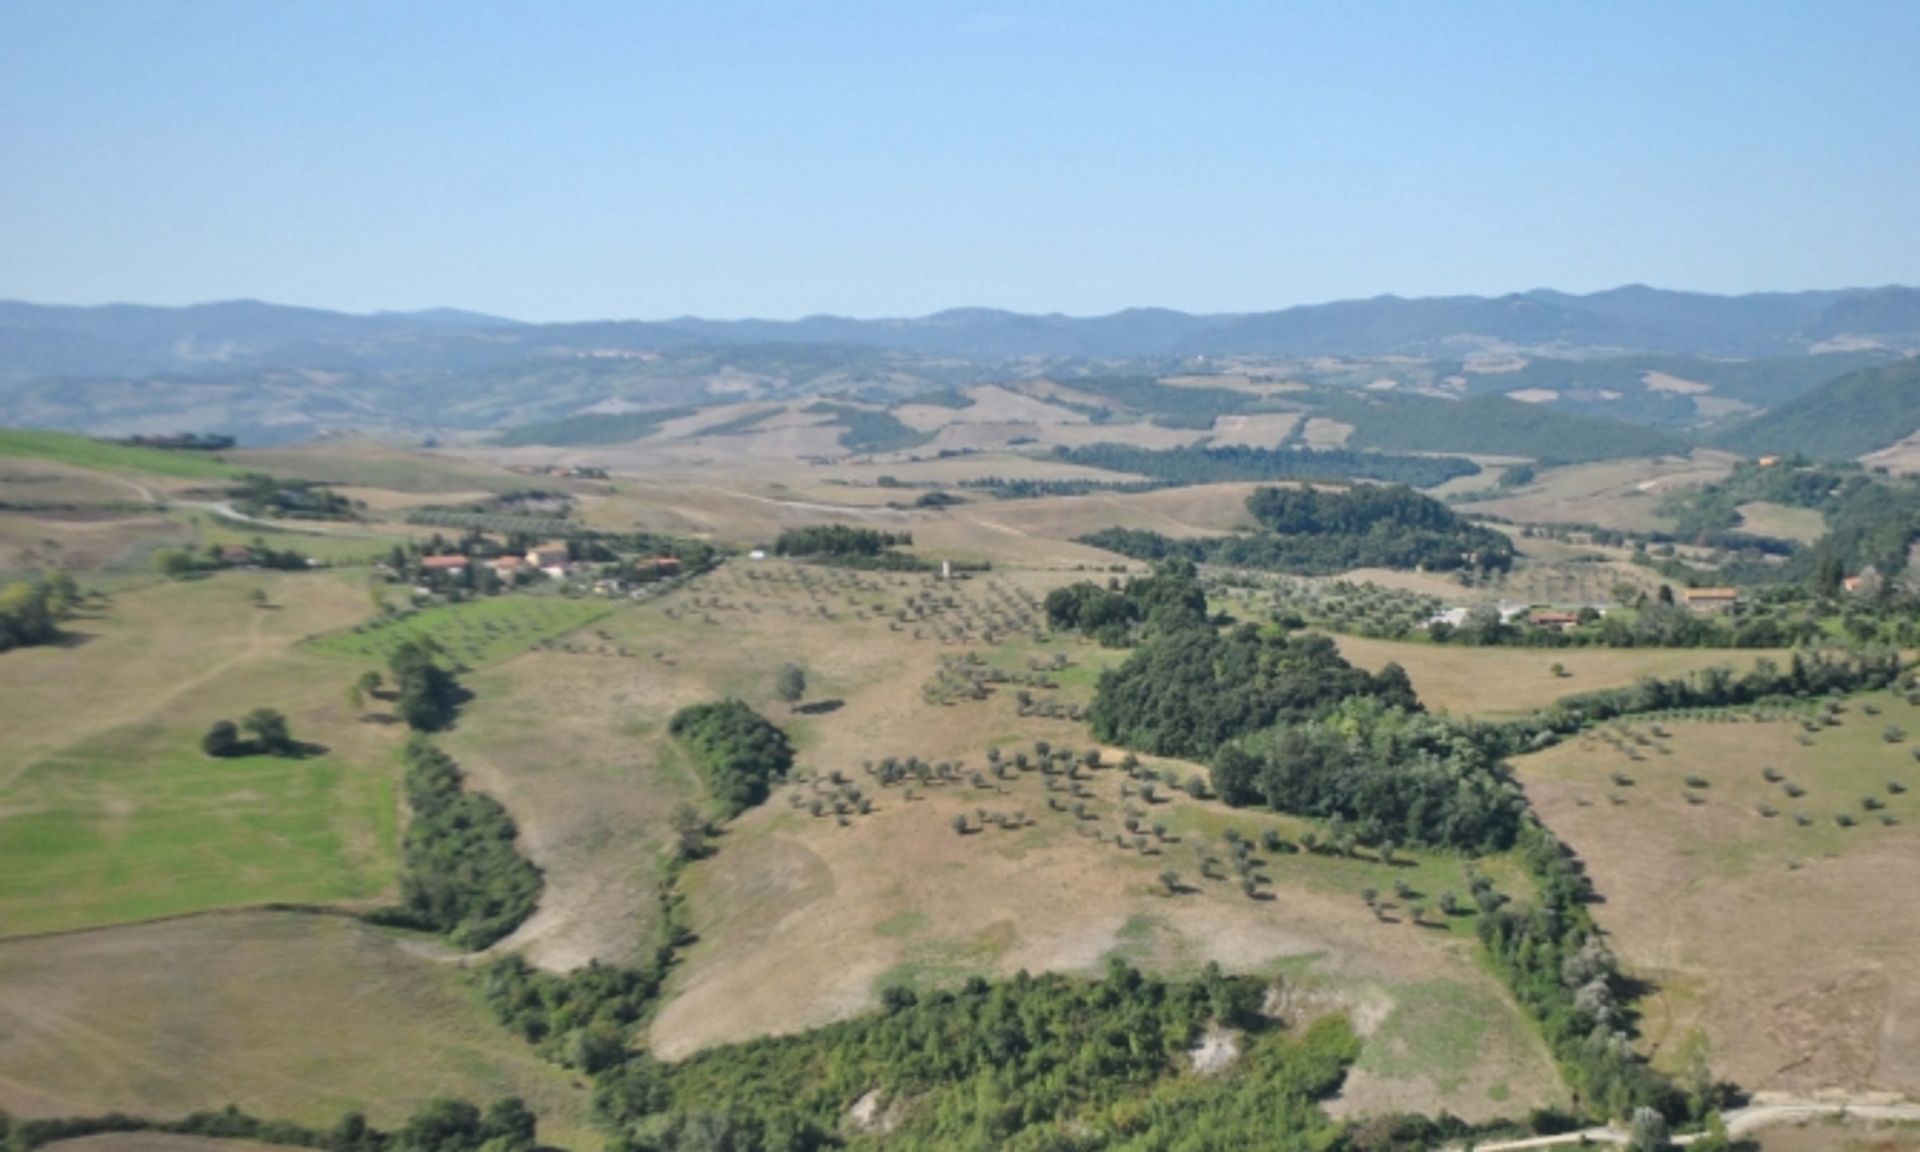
268 729
356 698
223 739
960 824
1171 881
690 831
790 683
257 597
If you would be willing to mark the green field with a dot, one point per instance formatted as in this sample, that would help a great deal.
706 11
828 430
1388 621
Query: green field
475 632
85 453
136 824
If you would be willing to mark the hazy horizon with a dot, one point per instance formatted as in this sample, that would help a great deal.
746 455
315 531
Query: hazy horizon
667 318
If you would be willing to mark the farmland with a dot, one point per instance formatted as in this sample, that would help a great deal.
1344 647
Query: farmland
1494 682
119 837
301 1017
1721 829
476 633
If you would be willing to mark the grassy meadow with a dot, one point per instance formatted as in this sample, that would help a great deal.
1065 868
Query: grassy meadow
65 448
110 812
286 1015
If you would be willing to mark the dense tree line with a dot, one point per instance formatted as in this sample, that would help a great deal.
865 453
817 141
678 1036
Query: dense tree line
1240 463
1024 488
1185 691
1807 673
1313 533
1550 954
30 610
445 1125
838 540
1388 774
739 752
460 874
427 696
1037 1062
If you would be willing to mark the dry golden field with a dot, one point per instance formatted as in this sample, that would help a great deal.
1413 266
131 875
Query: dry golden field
1786 940
1495 682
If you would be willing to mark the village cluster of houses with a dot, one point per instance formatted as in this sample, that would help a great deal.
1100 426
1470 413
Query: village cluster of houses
553 561
1702 600
567 472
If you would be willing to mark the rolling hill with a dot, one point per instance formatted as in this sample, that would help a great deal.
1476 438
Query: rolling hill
1851 416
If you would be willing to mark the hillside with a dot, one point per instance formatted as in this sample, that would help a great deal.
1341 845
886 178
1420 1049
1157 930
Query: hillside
1858 413
1496 425
272 373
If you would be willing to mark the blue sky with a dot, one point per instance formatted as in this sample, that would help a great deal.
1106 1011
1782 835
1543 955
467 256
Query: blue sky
571 161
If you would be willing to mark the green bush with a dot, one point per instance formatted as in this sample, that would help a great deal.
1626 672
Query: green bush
738 751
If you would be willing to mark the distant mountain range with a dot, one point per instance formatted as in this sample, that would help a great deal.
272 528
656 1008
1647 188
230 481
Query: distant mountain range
118 339
271 370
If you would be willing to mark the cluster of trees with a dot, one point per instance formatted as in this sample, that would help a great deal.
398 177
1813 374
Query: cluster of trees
1872 519
31 610
1394 776
1239 463
426 695
1310 532
445 1125
1187 690
1037 1062
1171 597
258 495
266 734
460 875
182 563
740 753
582 1019
868 430
838 540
